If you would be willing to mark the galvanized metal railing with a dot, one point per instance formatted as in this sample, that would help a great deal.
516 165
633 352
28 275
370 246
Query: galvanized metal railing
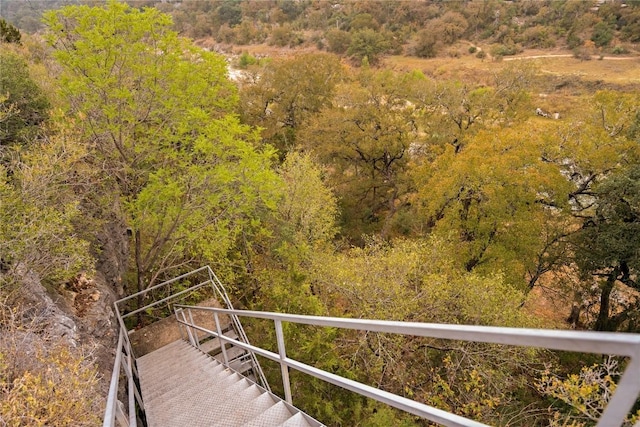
618 344
114 409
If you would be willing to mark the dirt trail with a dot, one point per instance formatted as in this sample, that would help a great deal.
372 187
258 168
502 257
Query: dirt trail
608 58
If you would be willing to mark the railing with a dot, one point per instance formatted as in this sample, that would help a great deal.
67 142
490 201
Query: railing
617 344
114 409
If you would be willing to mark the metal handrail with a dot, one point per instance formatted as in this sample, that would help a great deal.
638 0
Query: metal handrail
124 348
239 329
619 344
113 409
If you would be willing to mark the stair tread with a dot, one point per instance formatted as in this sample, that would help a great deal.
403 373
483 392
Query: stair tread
297 420
182 386
277 414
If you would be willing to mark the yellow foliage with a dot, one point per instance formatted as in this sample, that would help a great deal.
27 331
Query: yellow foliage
60 390
587 393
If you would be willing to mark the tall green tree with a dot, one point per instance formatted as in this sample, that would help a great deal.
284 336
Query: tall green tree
499 200
364 140
367 45
157 115
287 93
604 170
607 248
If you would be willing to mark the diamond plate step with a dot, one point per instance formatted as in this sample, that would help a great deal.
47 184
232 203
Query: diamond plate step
182 386
298 420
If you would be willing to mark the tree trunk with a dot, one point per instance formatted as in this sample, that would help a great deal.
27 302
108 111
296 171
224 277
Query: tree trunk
603 322
139 273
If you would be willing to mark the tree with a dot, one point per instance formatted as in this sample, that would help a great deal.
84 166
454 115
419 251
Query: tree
364 141
338 40
598 155
498 200
415 280
157 120
426 44
308 210
369 44
280 102
607 247
450 112
602 34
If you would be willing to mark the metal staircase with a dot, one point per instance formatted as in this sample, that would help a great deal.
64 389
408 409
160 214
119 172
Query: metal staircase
211 376
182 386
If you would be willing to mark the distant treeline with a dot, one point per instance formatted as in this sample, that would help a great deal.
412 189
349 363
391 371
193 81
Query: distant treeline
370 28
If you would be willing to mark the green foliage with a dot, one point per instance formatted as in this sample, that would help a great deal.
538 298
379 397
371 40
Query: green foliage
9 33
24 104
504 50
42 208
230 12
364 141
280 101
494 201
414 280
369 44
606 245
338 40
602 34
168 148
246 60
308 210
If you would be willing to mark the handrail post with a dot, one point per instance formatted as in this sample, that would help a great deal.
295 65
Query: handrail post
223 344
195 333
132 397
283 367
180 326
188 329
624 396
112 399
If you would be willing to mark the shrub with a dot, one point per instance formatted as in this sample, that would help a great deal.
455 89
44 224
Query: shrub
619 50
504 50
9 33
53 386
338 41
472 49
246 60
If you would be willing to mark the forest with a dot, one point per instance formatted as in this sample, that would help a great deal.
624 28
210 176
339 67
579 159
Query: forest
329 176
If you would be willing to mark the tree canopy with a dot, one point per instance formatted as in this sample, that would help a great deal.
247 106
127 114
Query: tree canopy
157 115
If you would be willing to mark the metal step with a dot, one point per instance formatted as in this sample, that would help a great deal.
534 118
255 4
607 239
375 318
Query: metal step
298 420
213 345
182 386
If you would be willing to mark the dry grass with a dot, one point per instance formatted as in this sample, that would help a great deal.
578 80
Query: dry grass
44 383
614 70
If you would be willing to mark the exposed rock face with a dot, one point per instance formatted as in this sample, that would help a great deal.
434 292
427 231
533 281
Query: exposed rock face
80 314
113 255
40 308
